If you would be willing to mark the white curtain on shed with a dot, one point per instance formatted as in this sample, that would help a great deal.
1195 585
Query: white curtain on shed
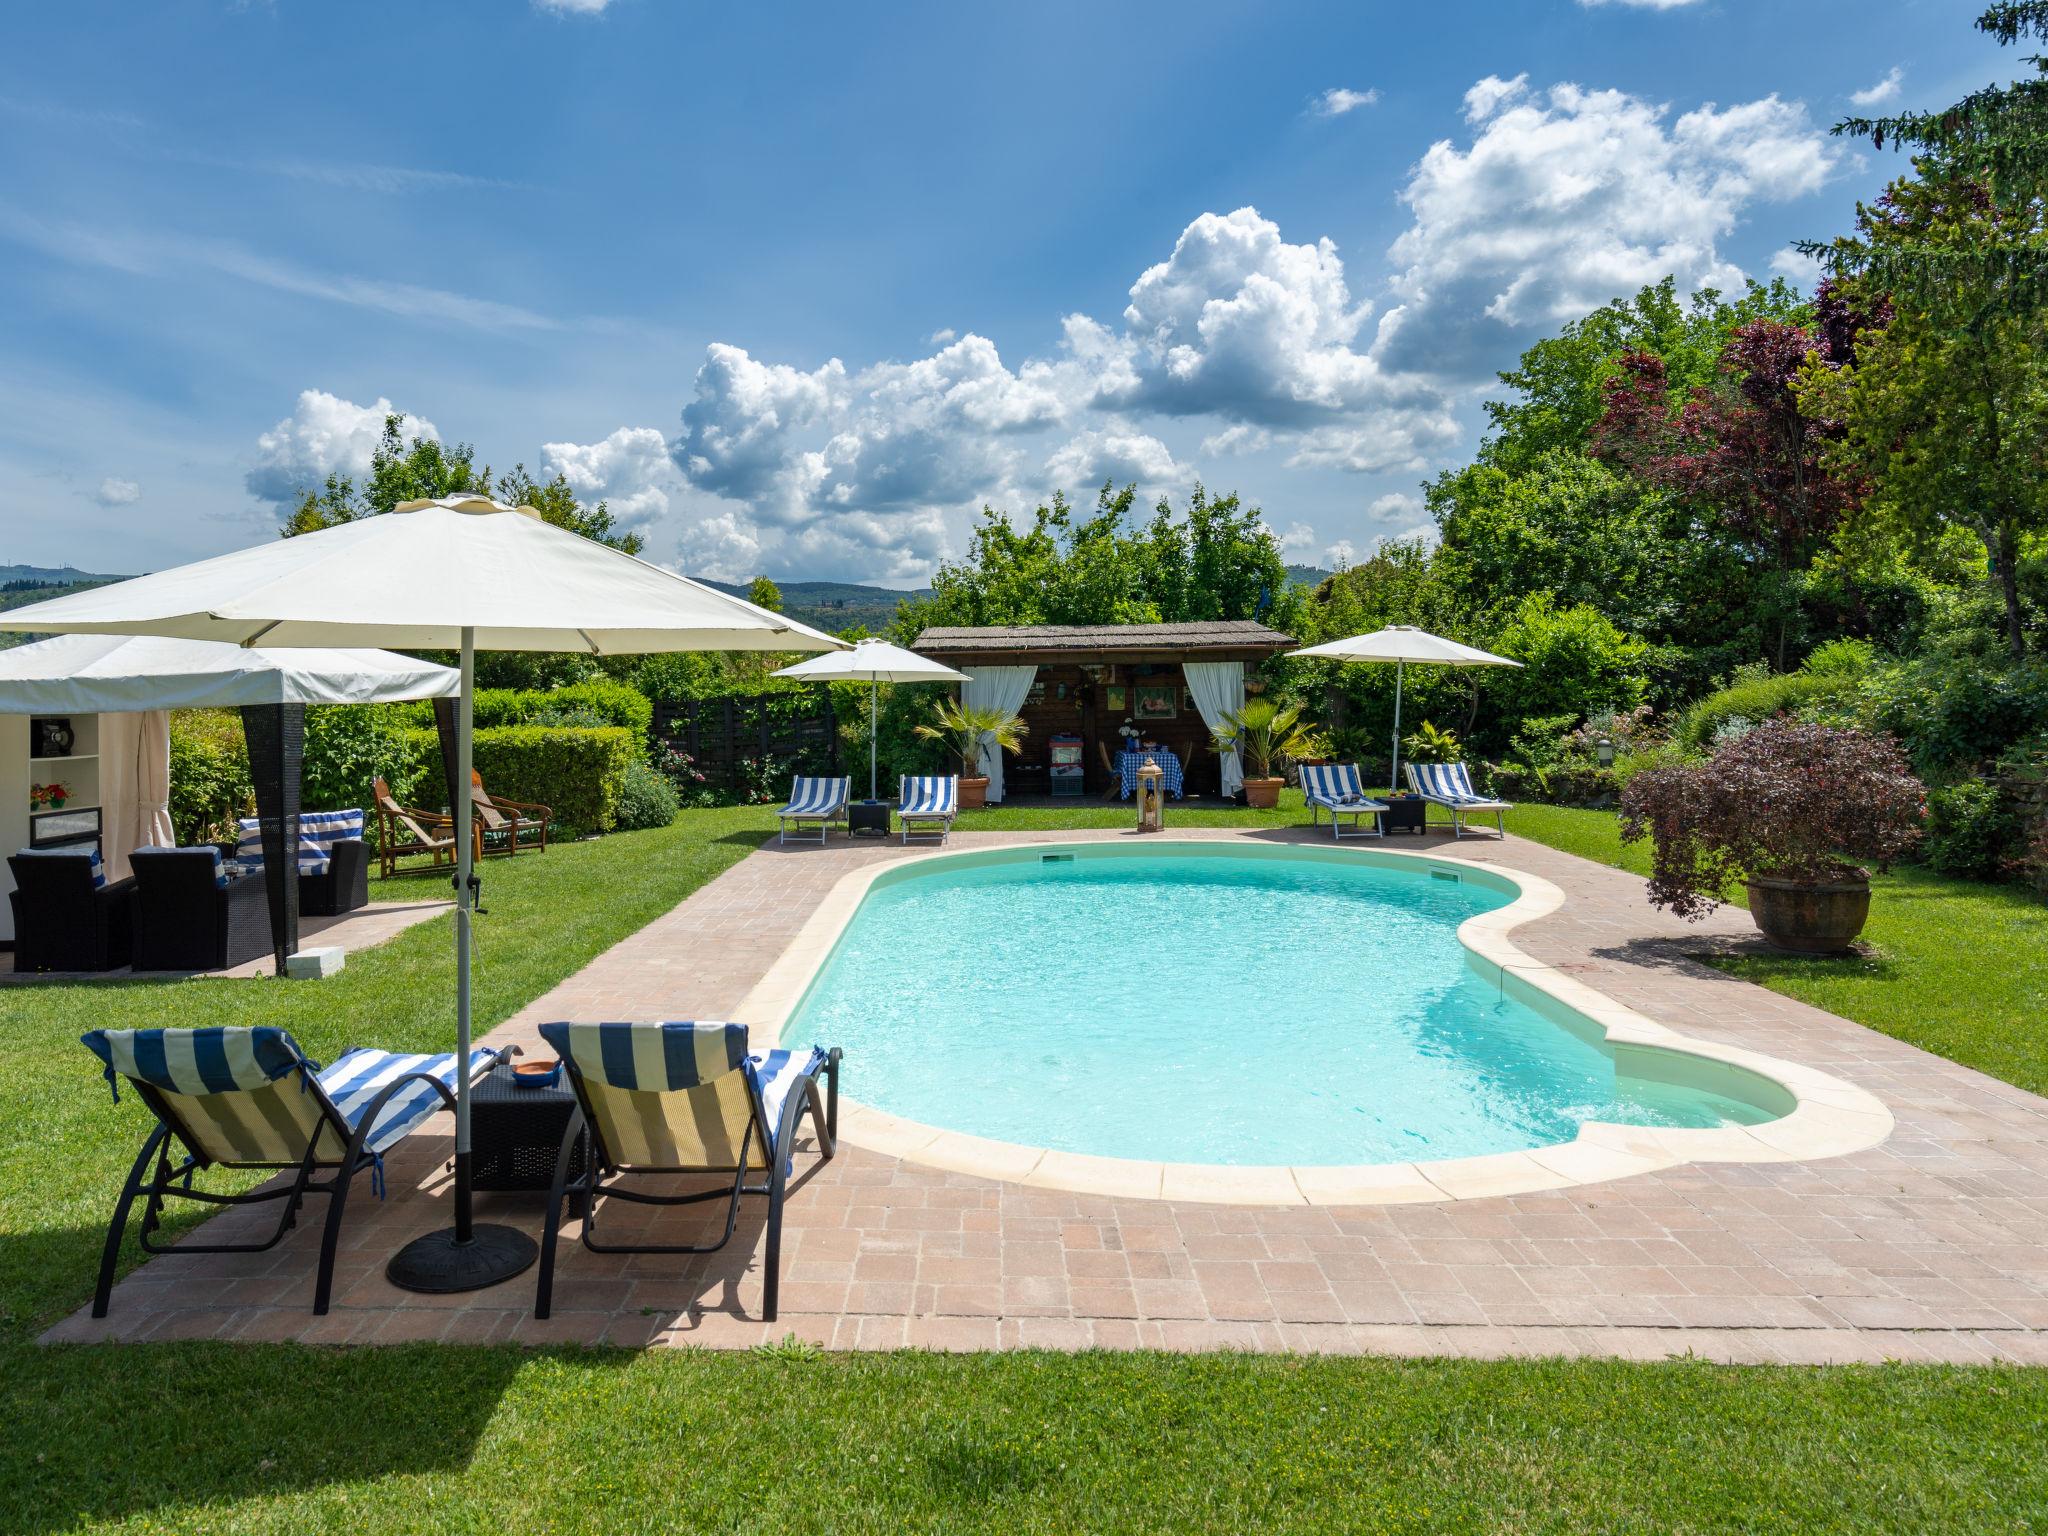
1004 690
1218 687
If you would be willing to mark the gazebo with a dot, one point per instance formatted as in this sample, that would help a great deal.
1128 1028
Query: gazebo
1172 682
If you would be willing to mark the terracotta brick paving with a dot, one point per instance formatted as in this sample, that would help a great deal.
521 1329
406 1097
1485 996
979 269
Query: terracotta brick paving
1932 1245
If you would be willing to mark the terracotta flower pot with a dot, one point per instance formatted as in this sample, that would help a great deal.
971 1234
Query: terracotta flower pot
1809 917
973 794
1262 794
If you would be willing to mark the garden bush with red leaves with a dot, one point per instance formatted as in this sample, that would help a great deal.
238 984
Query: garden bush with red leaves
1791 801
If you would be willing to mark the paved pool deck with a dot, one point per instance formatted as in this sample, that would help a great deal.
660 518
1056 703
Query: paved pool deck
1930 1245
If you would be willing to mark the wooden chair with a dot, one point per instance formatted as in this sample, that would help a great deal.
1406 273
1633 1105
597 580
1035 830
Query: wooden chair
506 822
402 832
1116 780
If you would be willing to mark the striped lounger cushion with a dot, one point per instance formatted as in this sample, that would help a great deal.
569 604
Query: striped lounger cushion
678 1094
1448 782
1337 786
319 831
810 797
225 1084
929 797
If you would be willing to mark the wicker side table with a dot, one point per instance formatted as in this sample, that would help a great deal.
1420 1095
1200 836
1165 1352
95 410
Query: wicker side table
515 1133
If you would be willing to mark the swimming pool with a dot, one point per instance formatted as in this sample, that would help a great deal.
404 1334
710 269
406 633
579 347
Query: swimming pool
1226 1005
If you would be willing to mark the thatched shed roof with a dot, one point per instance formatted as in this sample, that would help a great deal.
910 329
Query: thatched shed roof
1201 640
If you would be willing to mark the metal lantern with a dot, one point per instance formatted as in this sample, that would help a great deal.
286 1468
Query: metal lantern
1151 797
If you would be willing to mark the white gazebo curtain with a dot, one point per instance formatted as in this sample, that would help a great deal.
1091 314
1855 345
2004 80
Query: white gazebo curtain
1218 689
1003 689
135 786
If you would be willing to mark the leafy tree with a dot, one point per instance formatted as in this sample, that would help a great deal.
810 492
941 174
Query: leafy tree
1574 662
1218 561
1560 382
1993 144
1588 534
763 593
425 468
1946 413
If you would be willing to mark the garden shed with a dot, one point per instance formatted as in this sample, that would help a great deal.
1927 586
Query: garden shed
1170 683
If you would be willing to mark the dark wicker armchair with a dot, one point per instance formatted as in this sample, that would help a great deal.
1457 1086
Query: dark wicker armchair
185 921
62 921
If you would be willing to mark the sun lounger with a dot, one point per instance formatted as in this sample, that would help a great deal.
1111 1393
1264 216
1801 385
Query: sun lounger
818 801
250 1098
927 806
1450 785
1337 788
665 1099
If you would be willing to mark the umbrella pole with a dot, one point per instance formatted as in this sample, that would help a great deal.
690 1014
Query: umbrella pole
465 1257
1395 780
465 874
874 703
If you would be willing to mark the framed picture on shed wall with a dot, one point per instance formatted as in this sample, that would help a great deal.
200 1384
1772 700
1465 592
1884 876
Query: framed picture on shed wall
1114 699
1156 701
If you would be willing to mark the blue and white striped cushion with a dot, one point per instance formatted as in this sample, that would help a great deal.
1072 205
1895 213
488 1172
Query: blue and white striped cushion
934 795
194 1061
649 1058
813 797
1336 784
775 1074
1448 782
319 831
99 867
354 1082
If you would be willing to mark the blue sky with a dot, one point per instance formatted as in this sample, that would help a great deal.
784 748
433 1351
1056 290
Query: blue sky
798 287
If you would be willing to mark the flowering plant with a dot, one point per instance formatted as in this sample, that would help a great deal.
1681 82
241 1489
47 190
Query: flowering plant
41 795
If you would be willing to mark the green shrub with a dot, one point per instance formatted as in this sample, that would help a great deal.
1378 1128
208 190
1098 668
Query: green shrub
1972 831
1574 662
1754 699
1954 713
600 700
646 799
578 772
210 785
348 746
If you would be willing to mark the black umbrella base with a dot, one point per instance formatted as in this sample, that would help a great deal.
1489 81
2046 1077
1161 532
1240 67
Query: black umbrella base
438 1264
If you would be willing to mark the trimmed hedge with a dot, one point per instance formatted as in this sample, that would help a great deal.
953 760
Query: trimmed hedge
579 772
1759 699
603 698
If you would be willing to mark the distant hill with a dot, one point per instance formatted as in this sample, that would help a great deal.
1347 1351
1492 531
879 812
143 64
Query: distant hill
833 605
1308 575
21 585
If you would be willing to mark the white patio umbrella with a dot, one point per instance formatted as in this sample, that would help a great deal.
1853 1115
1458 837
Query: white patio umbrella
874 662
460 573
1401 644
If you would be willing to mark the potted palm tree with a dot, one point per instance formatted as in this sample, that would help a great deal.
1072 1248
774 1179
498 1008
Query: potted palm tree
962 730
1262 732
1787 808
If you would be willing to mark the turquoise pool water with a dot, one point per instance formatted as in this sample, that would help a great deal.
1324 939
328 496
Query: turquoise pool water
1207 1007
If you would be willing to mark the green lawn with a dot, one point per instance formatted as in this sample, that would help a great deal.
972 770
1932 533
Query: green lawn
270 1438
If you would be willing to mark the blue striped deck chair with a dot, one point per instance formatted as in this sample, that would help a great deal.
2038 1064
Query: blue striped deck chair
250 1098
1450 785
683 1098
928 805
1337 788
814 800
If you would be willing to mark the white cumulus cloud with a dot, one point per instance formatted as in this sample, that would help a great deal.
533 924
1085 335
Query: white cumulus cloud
629 470
1116 453
1566 200
1338 100
324 435
116 492
1885 91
